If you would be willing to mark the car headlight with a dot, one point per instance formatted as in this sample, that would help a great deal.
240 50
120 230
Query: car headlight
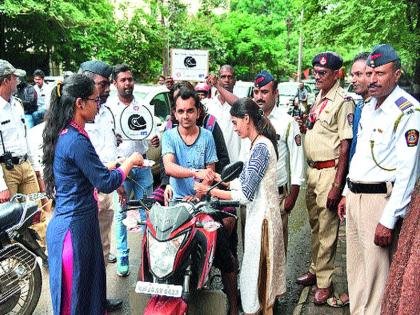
162 254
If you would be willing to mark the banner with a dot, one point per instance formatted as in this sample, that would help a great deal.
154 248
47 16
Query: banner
189 65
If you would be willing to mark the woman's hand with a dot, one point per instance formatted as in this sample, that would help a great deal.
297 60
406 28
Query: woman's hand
200 189
205 175
136 159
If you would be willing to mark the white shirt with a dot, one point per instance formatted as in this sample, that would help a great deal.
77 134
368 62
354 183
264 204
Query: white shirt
101 134
43 96
35 144
289 146
13 129
391 150
222 114
127 147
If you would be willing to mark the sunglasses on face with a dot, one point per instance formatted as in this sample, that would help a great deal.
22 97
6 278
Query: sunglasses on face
319 73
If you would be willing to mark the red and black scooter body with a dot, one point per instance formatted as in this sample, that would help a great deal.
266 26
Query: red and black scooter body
197 243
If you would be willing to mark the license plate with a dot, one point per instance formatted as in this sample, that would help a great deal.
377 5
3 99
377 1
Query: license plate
159 289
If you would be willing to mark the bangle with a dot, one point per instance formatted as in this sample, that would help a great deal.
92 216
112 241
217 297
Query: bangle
334 184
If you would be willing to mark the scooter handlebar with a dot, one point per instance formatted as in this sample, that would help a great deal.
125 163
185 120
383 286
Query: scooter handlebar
224 203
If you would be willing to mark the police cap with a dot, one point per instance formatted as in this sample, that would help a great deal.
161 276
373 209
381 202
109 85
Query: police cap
381 55
97 67
263 78
328 59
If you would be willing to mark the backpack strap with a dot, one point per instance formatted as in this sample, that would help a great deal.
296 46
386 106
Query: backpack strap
209 123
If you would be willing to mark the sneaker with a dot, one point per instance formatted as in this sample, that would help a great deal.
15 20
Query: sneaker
122 266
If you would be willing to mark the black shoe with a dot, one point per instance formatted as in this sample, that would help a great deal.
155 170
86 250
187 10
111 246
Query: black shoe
113 305
111 258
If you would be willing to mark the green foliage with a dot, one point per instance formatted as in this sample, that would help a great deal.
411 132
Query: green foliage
251 35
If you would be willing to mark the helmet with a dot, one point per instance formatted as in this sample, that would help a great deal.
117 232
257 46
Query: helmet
204 88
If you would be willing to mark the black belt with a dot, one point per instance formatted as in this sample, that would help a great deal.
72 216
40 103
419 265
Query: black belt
15 159
359 188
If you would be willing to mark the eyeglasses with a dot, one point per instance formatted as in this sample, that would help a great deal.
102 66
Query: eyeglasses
96 100
320 73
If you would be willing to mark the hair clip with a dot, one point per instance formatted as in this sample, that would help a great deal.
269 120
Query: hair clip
59 86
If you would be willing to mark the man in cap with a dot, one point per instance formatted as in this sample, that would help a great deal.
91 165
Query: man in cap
102 135
327 143
382 176
289 179
17 162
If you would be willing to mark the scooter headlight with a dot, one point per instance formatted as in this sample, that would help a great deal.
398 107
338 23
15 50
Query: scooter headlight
162 254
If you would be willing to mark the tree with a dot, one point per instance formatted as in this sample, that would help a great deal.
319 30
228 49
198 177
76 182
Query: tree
61 30
351 26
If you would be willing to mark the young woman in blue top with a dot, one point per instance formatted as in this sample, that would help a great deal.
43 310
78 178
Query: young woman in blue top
72 170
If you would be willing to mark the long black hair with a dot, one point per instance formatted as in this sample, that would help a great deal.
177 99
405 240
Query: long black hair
59 115
246 106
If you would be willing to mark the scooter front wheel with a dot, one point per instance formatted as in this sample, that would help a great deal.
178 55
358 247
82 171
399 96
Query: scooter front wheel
164 305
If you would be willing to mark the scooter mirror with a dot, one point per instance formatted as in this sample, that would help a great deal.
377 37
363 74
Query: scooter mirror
231 171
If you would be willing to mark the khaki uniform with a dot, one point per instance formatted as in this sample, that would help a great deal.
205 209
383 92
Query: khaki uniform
322 143
105 217
22 178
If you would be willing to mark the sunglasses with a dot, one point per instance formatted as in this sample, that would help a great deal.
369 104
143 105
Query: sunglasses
320 73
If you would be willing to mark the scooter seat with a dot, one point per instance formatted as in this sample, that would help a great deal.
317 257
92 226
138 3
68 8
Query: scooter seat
10 214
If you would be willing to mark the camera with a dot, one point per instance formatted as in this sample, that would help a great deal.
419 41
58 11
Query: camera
7 160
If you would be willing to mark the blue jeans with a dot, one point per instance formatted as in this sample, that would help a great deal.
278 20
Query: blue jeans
143 184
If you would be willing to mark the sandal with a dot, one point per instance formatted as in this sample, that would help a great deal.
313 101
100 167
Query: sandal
338 301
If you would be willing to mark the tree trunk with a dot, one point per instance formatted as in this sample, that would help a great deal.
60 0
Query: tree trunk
2 37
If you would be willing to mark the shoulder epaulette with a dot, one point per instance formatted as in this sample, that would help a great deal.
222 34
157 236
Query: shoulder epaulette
403 104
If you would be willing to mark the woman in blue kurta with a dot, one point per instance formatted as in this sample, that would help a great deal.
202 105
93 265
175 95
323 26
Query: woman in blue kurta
72 170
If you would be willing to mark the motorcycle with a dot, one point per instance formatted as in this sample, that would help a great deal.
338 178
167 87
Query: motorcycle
178 248
20 274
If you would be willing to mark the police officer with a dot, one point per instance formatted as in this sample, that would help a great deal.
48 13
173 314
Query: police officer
16 173
326 147
381 178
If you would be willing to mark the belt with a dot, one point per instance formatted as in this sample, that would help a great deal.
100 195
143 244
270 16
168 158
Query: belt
359 188
15 159
321 164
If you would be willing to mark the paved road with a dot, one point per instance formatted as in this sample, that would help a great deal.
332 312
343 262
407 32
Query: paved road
298 262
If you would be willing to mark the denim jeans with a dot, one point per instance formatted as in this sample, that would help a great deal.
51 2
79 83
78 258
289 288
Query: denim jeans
29 120
143 184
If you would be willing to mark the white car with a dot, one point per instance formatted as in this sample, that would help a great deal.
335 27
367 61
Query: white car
288 91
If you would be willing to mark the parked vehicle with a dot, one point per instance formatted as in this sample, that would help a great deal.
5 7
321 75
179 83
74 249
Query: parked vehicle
178 249
288 91
350 92
20 274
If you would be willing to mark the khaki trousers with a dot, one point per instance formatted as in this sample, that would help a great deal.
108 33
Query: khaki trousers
22 179
324 225
105 217
367 264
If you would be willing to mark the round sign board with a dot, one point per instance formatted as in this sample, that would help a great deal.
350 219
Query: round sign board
136 122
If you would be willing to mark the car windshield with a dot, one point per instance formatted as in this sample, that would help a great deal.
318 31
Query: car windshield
140 95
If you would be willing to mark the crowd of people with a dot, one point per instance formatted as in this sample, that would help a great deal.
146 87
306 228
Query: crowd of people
362 164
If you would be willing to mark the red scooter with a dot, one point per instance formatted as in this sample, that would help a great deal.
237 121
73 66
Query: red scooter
179 247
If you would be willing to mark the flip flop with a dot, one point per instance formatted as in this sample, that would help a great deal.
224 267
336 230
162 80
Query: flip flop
338 301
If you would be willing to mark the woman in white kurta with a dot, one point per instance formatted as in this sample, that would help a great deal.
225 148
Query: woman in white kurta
263 275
